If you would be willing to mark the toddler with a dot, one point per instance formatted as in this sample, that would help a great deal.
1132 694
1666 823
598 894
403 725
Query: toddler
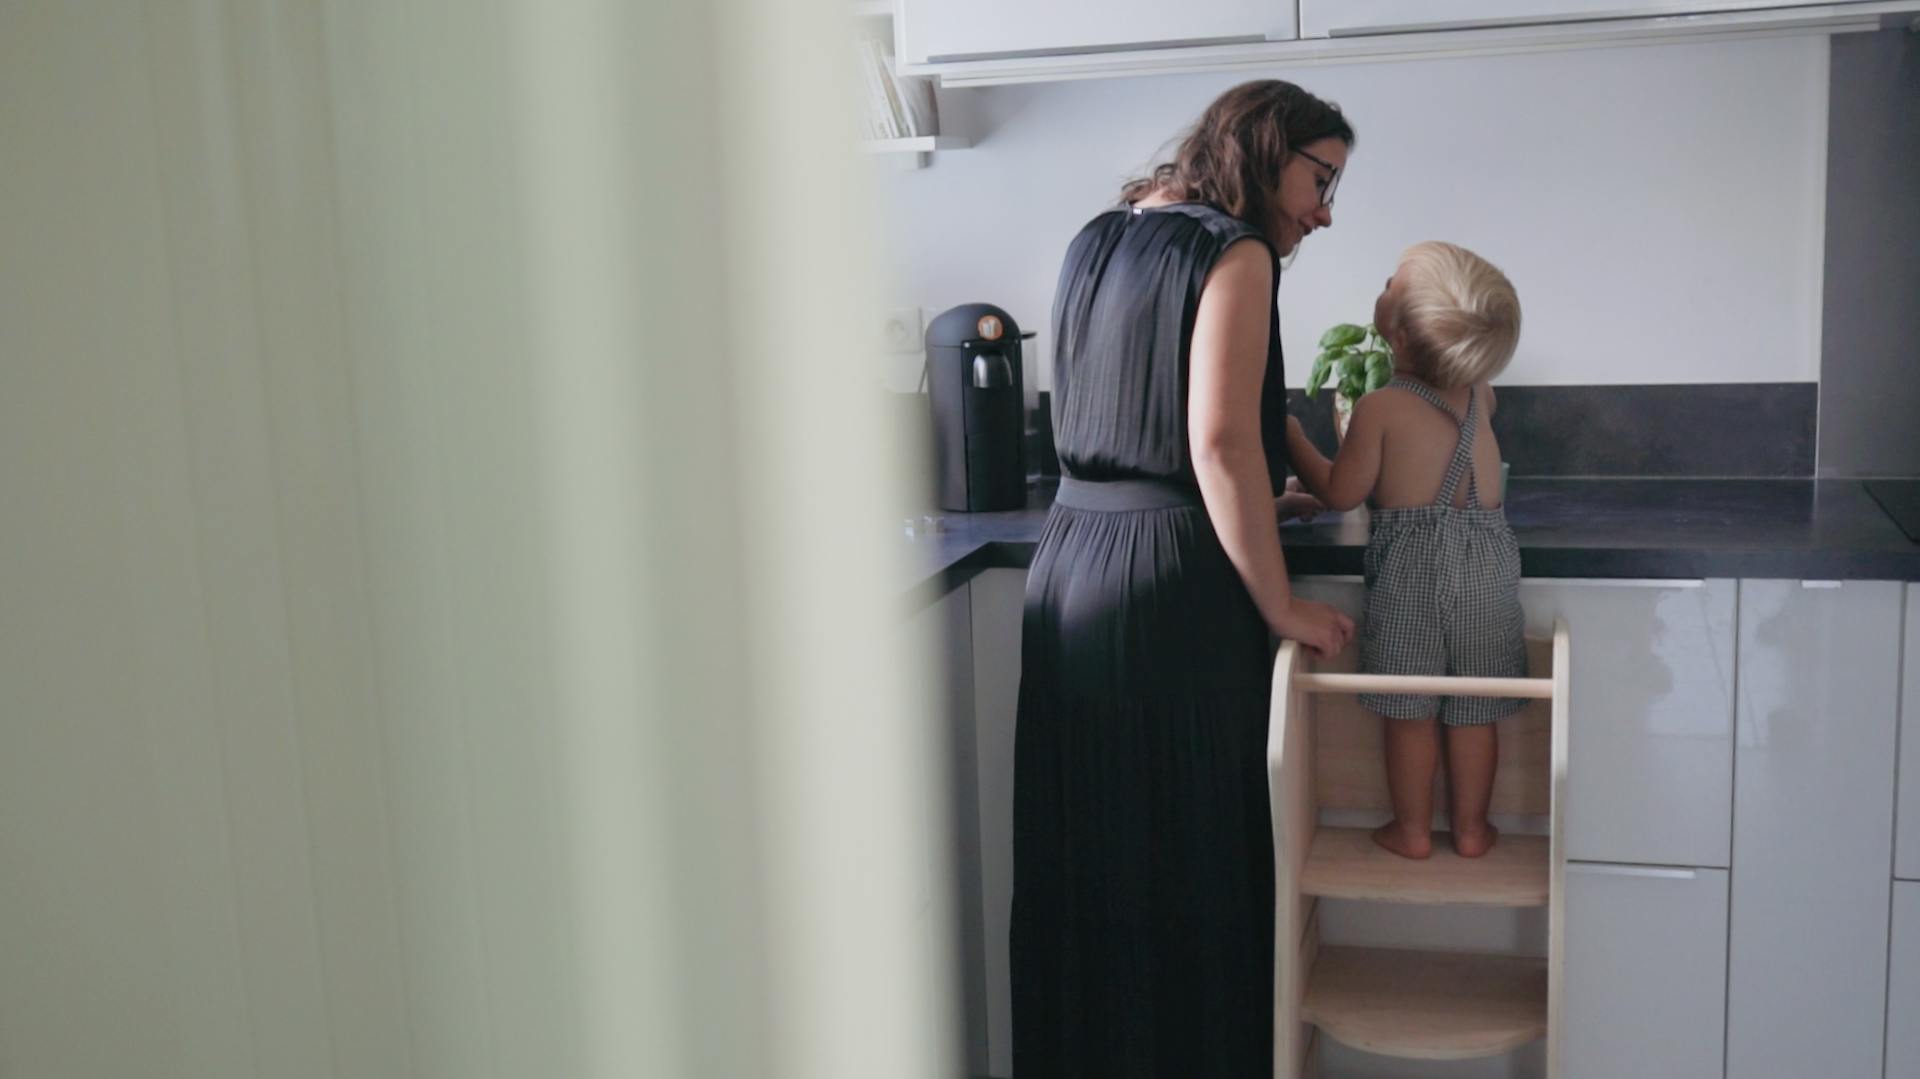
1442 566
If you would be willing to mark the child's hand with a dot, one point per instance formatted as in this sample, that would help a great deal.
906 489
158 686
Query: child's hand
1310 465
1297 439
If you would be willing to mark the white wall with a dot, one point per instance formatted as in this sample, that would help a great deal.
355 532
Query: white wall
1660 209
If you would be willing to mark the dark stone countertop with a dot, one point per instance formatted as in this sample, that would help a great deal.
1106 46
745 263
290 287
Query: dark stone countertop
1647 528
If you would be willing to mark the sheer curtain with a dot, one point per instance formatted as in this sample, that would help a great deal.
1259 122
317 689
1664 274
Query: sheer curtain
445 608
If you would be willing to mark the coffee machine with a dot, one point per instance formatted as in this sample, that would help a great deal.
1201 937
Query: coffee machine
977 390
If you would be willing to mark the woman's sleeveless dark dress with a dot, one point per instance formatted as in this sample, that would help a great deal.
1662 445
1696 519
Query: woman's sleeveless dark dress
1142 929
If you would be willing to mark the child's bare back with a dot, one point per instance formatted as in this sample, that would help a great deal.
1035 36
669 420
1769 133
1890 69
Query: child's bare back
1417 441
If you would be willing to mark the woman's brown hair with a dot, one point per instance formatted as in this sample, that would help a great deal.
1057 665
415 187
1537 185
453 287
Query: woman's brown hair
1233 155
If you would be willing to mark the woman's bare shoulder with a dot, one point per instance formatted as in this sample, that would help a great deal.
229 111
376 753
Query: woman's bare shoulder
1244 264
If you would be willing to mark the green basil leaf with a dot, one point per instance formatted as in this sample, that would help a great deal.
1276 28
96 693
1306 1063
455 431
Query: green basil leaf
1342 335
1316 378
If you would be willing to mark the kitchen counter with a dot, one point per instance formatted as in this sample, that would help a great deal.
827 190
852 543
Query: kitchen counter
1803 529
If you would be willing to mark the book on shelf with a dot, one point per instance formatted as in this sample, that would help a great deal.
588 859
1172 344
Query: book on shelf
878 117
919 111
893 106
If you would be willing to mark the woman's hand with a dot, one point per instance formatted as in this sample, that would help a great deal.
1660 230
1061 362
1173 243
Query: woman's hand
1324 630
1298 504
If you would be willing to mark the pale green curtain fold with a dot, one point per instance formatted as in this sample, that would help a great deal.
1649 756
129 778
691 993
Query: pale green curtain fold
445 598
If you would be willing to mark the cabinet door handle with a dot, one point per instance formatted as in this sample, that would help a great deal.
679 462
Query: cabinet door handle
1652 872
1822 584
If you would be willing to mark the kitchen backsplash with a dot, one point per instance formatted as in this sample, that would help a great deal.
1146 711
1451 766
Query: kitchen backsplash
1723 429
1740 430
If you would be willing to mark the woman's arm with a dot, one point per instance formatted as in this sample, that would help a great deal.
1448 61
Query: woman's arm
1227 365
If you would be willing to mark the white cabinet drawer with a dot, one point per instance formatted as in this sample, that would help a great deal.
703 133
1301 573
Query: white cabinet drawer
1813 827
1650 734
1646 962
1903 992
932 31
1906 859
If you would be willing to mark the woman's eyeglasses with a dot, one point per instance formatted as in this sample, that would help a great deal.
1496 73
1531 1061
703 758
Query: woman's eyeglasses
1326 184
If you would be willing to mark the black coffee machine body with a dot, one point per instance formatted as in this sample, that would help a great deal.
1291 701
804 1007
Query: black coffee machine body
977 389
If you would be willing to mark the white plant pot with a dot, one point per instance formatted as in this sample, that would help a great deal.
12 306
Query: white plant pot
1342 415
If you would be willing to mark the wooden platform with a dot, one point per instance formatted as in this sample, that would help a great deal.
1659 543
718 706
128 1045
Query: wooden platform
1427 1005
1345 863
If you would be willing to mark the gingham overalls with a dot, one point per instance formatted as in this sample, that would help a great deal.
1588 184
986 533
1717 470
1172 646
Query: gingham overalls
1443 592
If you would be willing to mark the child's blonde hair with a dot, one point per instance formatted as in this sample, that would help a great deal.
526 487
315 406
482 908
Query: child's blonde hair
1458 314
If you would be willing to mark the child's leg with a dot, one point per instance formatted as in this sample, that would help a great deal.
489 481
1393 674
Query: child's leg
1471 751
1413 751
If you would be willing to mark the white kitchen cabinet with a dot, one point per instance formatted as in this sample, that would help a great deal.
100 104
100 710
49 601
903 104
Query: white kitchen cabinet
997 597
1352 18
1906 860
932 31
1650 773
970 641
1646 962
1650 738
1903 988
940 637
1813 828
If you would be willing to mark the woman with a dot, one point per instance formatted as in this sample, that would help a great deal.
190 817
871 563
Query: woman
1142 937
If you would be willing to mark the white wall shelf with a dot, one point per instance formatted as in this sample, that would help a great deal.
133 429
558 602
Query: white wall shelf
909 153
912 153
924 144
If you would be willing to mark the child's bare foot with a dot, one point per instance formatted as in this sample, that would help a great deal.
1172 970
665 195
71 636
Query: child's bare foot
1405 843
1473 842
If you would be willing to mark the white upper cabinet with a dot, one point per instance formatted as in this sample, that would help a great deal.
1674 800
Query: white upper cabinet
989 42
1355 18
933 31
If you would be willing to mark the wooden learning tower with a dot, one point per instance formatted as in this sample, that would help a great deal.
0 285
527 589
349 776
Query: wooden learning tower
1324 760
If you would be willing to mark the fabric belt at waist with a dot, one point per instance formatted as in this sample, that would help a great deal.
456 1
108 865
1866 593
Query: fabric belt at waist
1125 494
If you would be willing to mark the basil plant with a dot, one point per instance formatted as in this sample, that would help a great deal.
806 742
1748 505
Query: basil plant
1357 357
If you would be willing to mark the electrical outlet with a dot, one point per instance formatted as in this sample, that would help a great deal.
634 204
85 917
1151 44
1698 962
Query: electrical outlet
902 332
